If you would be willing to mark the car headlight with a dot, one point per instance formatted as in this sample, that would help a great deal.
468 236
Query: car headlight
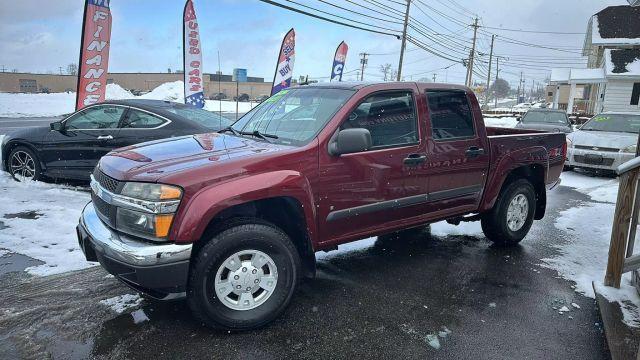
629 149
569 143
147 210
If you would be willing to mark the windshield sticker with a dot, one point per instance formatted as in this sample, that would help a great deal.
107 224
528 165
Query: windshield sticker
601 118
277 96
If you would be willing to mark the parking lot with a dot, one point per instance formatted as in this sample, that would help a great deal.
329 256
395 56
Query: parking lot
429 296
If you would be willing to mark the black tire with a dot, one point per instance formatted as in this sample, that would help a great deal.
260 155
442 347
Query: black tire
201 295
494 223
36 162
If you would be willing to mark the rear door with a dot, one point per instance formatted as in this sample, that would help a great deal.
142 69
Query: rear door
86 137
139 126
458 152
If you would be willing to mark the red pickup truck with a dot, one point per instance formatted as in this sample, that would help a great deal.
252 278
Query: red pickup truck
231 220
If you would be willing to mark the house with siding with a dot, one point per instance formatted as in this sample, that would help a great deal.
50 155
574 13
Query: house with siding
611 81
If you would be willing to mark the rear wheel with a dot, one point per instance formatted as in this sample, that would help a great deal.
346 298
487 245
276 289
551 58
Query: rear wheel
512 216
244 277
23 164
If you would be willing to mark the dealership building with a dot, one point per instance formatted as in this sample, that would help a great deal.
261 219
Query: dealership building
143 82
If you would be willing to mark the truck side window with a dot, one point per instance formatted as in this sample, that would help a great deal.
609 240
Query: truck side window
389 116
450 114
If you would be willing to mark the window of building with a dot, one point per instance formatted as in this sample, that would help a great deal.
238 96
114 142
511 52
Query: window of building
635 94
450 113
389 116
550 93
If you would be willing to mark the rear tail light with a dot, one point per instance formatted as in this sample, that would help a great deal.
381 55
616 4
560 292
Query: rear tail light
558 151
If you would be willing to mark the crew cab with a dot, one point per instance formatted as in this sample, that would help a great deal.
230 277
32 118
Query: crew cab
231 220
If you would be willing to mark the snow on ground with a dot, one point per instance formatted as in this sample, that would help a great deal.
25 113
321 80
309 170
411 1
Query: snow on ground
56 104
507 121
124 302
40 222
583 254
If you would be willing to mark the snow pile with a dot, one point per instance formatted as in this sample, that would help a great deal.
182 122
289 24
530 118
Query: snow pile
56 104
116 92
122 303
40 222
507 121
583 256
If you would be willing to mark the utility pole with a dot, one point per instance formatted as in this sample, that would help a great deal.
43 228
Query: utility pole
486 99
434 77
4 69
497 77
363 62
473 52
404 39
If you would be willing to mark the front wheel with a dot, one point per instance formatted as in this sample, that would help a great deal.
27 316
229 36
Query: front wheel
23 164
244 277
512 216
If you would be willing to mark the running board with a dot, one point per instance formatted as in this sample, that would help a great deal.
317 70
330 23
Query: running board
460 219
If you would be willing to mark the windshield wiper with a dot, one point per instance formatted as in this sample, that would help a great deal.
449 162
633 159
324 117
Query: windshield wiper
229 128
260 135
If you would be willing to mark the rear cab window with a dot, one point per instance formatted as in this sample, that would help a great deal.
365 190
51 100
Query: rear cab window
389 116
450 114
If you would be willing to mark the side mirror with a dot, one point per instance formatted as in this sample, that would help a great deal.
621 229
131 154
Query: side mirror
349 141
56 126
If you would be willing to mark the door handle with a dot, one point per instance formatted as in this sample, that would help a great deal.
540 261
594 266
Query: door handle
105 137
415 159
474 151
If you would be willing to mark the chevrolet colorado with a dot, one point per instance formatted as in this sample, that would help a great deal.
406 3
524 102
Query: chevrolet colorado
231 220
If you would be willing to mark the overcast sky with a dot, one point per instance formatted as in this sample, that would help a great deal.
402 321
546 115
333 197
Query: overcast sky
41 36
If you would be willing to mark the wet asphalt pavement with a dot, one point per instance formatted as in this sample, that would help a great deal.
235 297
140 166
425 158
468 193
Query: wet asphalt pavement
385 301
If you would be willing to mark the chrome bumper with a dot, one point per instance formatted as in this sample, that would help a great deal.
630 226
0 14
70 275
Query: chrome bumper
126 250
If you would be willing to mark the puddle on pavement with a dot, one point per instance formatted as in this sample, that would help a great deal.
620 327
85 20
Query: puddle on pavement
13 262
29 215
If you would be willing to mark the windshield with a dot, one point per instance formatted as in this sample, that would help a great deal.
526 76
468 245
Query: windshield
205 118
294 116
628 123
546 117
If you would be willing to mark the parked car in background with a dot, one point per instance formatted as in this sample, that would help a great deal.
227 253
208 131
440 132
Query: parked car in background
232 220
218 96
242 97
262 98
545 120
71 148
604 142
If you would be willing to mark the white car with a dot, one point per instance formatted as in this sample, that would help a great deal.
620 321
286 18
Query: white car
604 142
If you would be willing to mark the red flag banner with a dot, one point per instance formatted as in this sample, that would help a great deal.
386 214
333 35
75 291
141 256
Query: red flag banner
94 53
193 84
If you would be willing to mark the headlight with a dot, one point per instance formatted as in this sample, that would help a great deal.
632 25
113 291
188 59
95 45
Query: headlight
569 143
629 149
145 225
147 210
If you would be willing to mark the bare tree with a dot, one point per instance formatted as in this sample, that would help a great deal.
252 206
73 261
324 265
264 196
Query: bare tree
72 69
386 71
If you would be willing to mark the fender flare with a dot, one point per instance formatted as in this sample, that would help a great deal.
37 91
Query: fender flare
509 162
203 206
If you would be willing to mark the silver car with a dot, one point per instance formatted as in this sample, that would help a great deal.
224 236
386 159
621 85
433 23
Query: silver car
604 142
545 120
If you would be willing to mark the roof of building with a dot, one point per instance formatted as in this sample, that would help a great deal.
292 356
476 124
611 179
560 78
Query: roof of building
577 76
622 63
615 25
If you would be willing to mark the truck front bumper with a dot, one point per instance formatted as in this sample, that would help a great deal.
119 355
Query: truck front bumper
158 270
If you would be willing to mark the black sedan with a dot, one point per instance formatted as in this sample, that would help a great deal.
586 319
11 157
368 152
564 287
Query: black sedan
71 148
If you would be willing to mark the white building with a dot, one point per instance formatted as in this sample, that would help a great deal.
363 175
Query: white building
611 81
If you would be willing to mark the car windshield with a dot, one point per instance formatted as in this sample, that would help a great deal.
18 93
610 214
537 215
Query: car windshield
205 118
294 116
545 117
629 123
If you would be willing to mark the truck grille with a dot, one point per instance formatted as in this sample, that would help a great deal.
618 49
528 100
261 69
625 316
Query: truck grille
105 181
101 206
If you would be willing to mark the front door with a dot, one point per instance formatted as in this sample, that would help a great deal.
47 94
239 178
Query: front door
86 136
363 191
458 153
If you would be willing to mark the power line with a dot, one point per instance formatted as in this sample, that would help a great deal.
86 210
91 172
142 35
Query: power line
361 14
327 19
534 31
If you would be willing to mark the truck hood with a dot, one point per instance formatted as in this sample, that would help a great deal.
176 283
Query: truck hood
603 139
152 160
